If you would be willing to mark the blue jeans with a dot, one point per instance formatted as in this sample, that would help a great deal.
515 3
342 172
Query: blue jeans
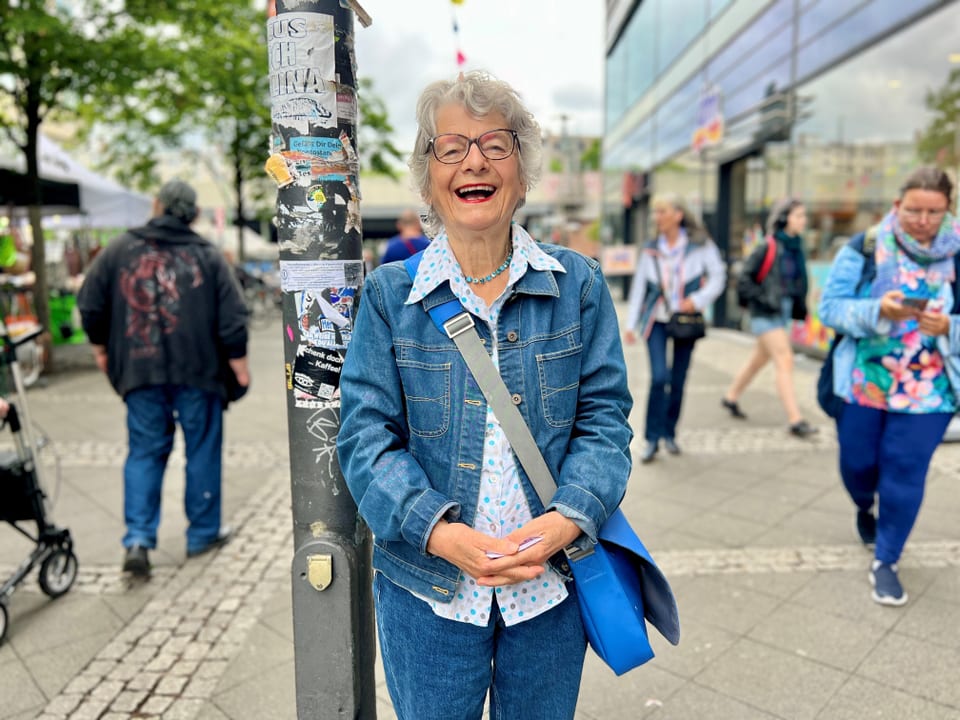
152 412
440 669
666 383
886 454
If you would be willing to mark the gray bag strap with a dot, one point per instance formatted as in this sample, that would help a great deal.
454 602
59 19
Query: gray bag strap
463 332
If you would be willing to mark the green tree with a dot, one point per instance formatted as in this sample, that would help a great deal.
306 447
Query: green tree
212 100
218 96
940 141
378 154
590 160
51 55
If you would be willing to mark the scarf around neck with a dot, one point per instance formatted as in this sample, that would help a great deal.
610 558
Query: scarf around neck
937 256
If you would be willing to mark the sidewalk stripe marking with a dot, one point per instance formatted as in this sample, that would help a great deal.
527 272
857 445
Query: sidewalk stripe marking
814 558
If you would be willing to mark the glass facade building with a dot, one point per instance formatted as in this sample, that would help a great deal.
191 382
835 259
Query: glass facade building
829 101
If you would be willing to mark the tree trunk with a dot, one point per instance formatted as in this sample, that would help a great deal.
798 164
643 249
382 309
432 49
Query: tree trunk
41 302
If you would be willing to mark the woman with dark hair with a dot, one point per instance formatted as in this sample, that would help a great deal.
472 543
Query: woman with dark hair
775 286
681 270
897 368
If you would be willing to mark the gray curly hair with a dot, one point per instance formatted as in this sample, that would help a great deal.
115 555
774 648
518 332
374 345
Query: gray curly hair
480 94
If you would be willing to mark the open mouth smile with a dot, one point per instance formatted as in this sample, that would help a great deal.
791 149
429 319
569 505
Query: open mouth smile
475 193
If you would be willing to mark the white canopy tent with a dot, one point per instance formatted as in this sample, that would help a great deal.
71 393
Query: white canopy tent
104 203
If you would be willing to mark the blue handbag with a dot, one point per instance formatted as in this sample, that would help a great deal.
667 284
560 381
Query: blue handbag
619 587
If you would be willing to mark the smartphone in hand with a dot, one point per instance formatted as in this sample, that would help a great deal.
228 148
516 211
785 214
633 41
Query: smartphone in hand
915 303
524 544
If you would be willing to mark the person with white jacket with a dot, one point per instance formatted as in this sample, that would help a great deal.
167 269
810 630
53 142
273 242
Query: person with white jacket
679 271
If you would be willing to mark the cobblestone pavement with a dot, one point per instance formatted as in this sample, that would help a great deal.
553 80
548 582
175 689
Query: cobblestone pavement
168 660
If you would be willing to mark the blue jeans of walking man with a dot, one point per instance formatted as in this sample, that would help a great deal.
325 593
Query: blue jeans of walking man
152 414
666 383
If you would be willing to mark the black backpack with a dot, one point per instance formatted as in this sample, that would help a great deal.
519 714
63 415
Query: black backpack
865 244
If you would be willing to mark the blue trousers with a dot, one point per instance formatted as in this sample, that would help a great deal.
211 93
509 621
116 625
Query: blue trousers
886 455
666 383
152 414
440 669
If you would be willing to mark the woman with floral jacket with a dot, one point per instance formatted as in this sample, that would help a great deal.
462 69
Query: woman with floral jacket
898 366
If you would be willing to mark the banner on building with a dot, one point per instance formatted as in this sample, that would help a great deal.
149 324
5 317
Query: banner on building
709 128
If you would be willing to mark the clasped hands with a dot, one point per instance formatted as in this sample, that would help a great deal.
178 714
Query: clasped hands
467 548
929 322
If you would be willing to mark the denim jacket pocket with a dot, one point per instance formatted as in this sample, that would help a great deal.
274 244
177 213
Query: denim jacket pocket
426 389
559 374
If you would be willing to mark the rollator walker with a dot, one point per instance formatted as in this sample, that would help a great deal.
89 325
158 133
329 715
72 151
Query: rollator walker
22 499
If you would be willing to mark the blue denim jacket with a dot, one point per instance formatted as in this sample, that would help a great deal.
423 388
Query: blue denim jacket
855 314
413 418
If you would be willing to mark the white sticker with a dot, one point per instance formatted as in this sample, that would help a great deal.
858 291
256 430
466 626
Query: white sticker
302 70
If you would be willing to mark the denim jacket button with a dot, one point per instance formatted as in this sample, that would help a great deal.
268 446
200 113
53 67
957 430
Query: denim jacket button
516 399
512 336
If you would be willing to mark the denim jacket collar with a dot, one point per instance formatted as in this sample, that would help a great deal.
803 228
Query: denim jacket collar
526 255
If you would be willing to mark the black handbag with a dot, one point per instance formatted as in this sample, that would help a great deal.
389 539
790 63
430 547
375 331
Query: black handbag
681 325
686 326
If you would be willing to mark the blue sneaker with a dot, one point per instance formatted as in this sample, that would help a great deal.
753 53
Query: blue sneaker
887 589
867 527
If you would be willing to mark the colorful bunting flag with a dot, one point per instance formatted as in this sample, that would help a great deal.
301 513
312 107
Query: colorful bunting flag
461 58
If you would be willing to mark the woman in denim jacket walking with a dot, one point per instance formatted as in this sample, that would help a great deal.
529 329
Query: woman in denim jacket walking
898 366
426 459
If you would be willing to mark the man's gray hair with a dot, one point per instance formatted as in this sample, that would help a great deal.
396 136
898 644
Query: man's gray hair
179 200
479 94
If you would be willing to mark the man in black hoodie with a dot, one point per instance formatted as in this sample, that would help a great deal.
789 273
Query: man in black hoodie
166 318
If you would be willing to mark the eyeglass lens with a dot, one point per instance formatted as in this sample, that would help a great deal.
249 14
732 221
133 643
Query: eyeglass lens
917 213
452 148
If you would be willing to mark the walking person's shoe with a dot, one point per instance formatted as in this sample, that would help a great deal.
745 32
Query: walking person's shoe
802 429
649 452
136 561
733 408
671 445
867 527
223 537
887 589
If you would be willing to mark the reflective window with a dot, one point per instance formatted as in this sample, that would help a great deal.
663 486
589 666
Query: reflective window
857 30
680 22
746 48
717 7
634 151
640 43
758 89
822 14
677 118
866 125
616 102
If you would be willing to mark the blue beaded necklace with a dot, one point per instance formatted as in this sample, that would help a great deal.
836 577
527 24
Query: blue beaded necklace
491 276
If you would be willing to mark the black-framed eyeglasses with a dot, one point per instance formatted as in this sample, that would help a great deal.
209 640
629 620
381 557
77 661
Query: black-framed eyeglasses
452 148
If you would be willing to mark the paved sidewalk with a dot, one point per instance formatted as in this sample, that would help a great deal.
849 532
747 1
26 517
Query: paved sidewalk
750 524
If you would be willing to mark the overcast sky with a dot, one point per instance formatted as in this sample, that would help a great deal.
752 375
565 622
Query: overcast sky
550 51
